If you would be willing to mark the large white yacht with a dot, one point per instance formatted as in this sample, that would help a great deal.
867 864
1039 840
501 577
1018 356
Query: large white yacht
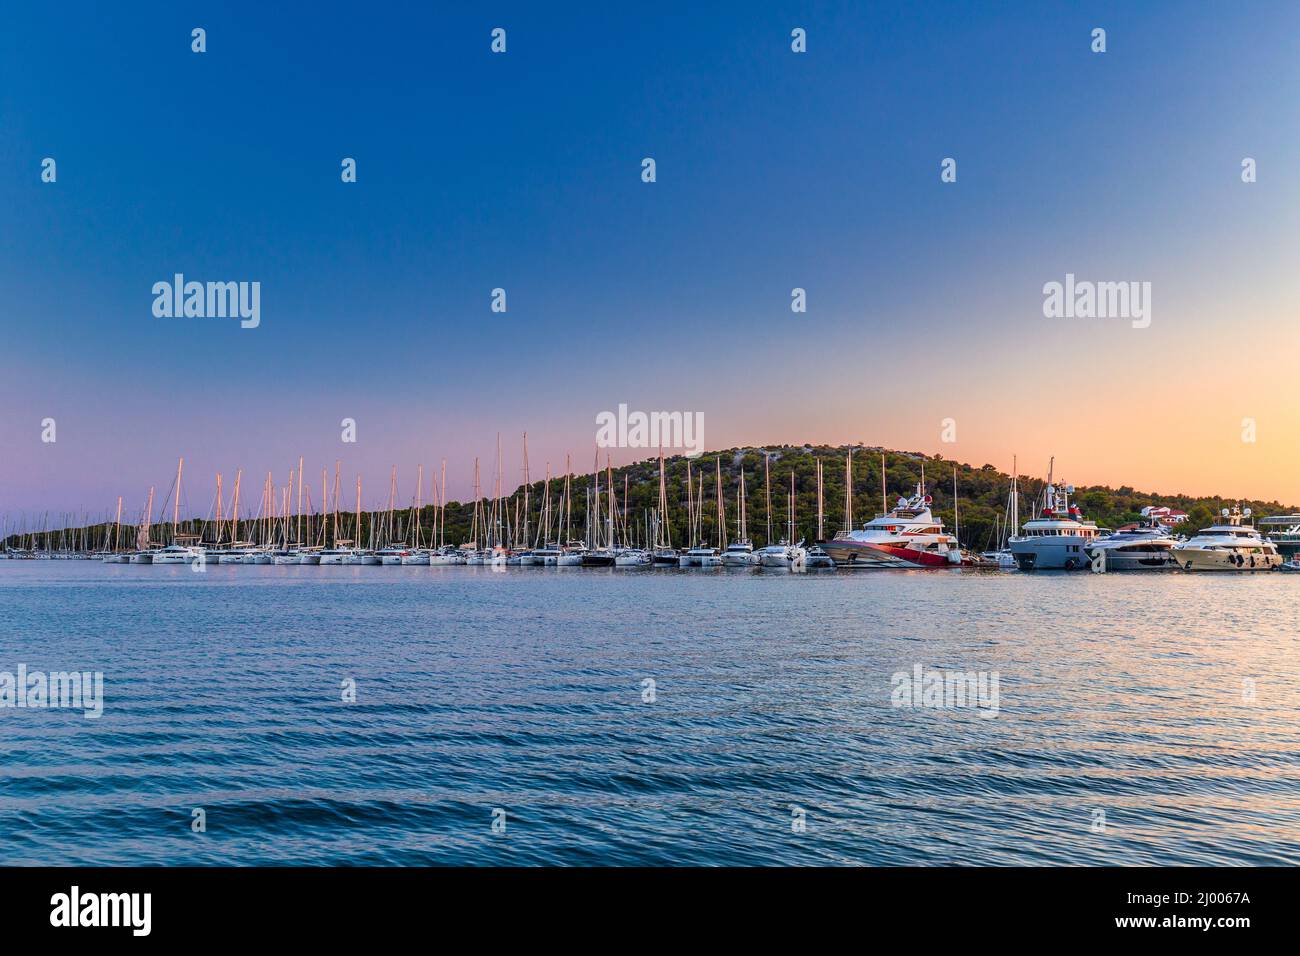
1148 547
1058 538
1228 546
908 536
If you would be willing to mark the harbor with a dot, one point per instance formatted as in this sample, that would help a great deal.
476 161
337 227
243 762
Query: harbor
697 520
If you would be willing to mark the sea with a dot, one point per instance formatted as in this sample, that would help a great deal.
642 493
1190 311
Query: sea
412 716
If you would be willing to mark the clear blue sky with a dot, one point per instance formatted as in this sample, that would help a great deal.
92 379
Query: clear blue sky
775 170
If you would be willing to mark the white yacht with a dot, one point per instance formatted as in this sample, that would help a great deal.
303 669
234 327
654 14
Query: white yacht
549 555
418 556
818 559
701 557
908 536
571 555
393 554
632 558
775 555
309 556
336 555
740 554
178 554
1228 546
1058 539
1148 547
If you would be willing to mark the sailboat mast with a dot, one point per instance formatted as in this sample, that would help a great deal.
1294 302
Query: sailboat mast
767 484
176 505
220 515
524 537
884 496
821 534
848 492
722 512
234 532
791 506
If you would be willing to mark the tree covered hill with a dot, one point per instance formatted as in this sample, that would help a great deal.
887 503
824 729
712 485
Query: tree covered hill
982 498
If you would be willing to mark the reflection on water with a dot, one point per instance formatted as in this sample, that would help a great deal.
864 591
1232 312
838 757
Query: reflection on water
1166 702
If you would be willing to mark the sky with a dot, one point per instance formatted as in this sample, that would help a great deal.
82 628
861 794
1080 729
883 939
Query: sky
522 170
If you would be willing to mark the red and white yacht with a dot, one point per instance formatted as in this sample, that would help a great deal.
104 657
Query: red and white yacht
909 536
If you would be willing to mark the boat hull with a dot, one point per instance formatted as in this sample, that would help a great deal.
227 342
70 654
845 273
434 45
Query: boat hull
1224 559
1052 553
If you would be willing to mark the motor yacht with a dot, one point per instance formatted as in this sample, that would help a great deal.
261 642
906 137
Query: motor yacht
393 554
1058 538
701 557
907 536
1148 547
548 556
740 554
819 560
1229 545
179 554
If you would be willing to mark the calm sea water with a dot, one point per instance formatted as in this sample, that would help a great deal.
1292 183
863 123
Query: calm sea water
524 692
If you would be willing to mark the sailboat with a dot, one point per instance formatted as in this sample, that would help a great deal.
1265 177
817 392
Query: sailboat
570 555
817 558
116 556
740 553
1002 555
600 531
184 548
663 553
772 555
702 555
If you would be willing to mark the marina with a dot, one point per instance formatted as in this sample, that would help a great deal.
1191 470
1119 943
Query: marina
548 528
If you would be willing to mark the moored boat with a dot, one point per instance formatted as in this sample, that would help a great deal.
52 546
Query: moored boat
1229 545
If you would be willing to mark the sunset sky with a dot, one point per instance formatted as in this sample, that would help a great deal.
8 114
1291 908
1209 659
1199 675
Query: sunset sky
522 170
